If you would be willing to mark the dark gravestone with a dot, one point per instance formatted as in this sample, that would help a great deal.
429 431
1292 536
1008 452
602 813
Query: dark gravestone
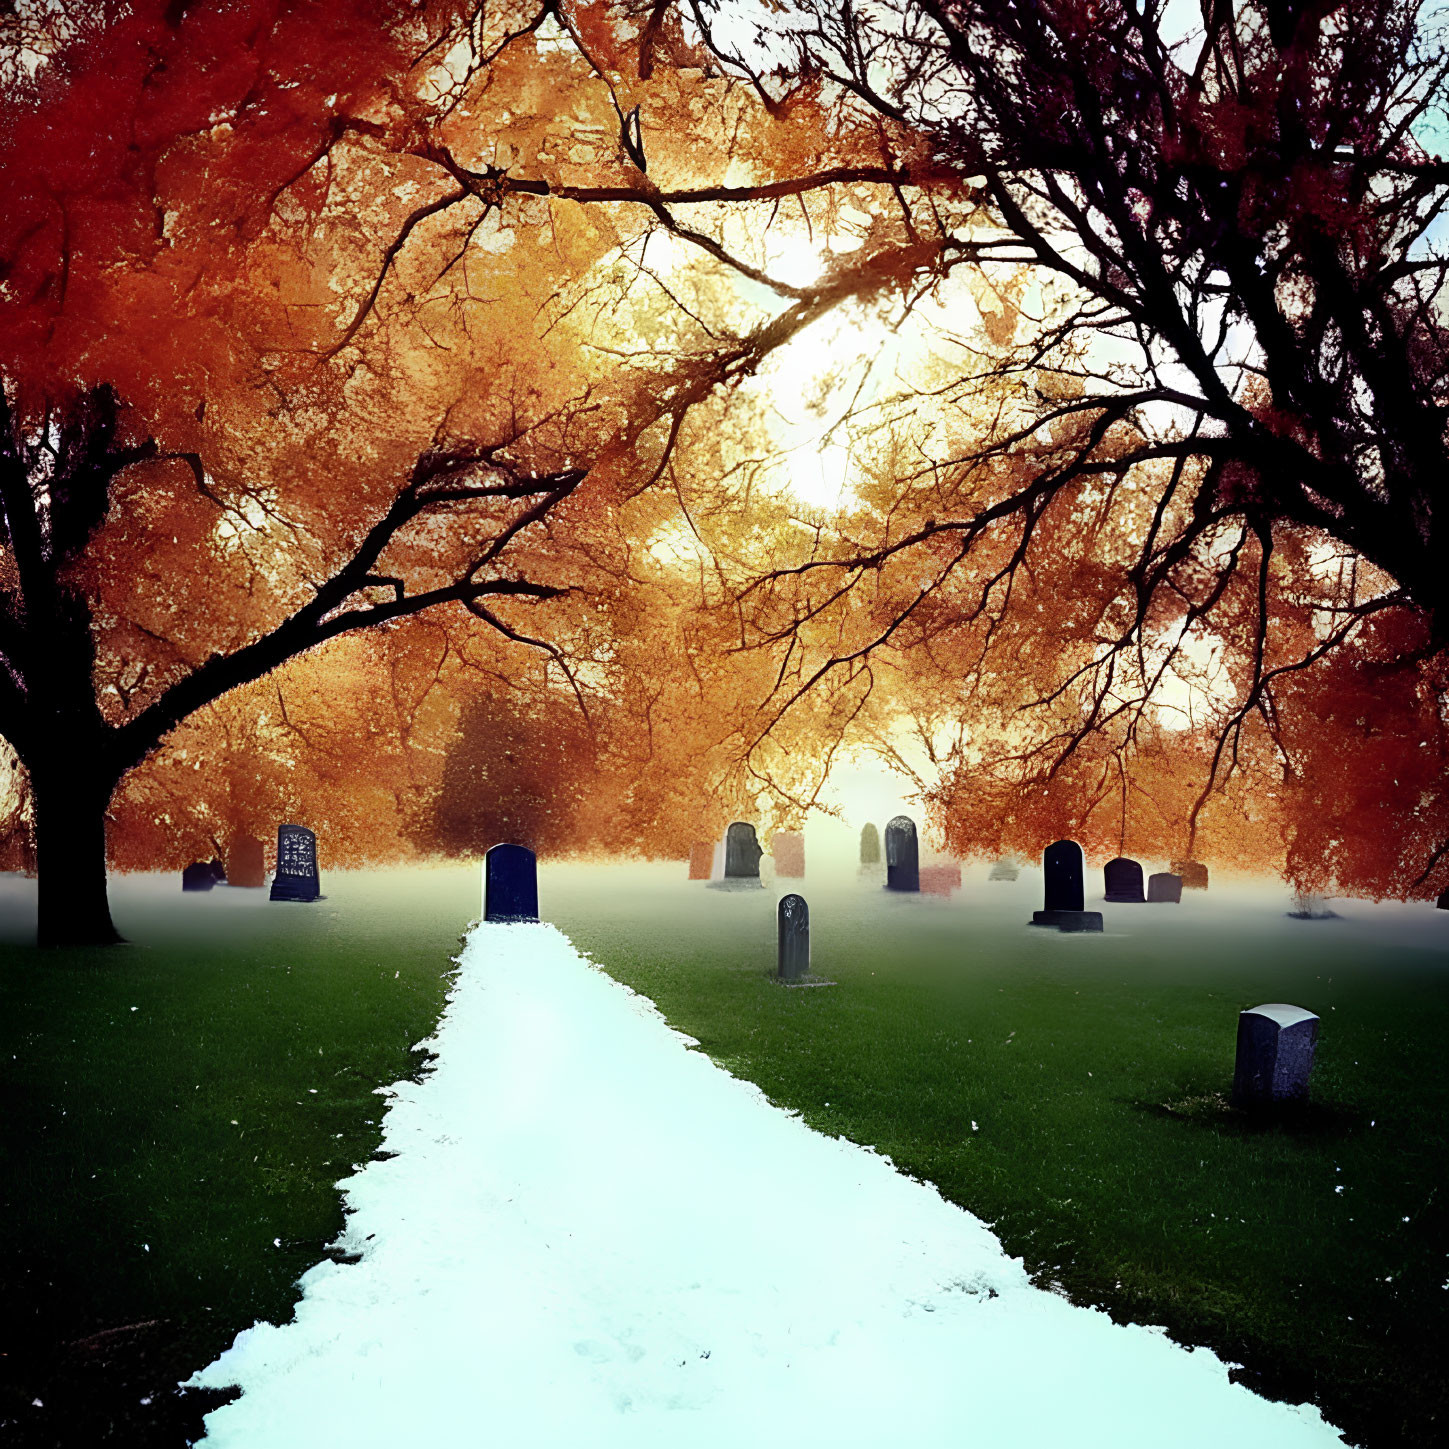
197 876
246 863
510 884
869 845
1004 870
903 856
1275 1055
218 871
793 916
1443 902
701 858
1063 870
1123 879
296 878
742 852
789 852
1193 872
1164 887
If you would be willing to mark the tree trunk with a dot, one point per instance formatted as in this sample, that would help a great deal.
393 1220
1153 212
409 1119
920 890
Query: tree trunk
70 844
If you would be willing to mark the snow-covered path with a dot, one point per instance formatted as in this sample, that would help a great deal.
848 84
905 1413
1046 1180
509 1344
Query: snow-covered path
593 1237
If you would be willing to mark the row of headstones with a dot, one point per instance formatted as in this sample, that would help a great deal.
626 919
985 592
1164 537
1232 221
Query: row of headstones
296 878
1275 1045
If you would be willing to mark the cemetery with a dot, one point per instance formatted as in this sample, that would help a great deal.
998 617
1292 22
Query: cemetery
723 725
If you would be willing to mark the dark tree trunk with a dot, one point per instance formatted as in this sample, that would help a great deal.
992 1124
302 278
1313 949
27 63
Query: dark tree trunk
70 843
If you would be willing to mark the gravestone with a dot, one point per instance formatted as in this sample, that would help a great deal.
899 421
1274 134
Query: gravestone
1443 902
1193 872
296 878
941 880
742 852
1004 870
1123 879
1164 886
793 916
903 857
246 862
1275 1055
701 858
789 852
510 884
218 871
197 876
869 845
1063 869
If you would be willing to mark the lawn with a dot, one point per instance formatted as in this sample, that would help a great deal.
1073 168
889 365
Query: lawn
169 1170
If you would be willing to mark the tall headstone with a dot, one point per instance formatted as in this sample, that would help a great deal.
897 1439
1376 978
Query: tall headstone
903 856
198 876
510 884
296 878
701 858
1164 886
869 845
788 849
246 863
1275 1055
1123 879
742 852
1193 872
793 917
1063 870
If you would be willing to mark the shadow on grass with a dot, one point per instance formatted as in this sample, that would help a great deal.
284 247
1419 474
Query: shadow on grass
1215 1110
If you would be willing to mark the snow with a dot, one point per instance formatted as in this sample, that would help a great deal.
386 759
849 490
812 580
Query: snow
592 1236
1282 1013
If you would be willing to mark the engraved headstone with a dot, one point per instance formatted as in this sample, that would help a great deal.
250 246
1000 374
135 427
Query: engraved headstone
793 917
1123 879
1193 872
197 876
1164 886
510 884
869 845
742 852
296 878
788 849
701 857
902 853
246 863
1063 869
1275 1055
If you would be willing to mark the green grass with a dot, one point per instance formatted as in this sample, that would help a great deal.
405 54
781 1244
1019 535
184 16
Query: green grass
176 1114
216 1118
1072 1091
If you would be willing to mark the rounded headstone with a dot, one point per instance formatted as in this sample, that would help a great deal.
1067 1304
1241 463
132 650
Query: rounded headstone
510 884
902 853
1164 886
1123 880
869 845
742 852
1063 869
296 878
1276 1042
793 920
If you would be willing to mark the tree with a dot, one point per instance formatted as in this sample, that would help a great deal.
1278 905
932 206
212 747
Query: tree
1194 427
312 320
